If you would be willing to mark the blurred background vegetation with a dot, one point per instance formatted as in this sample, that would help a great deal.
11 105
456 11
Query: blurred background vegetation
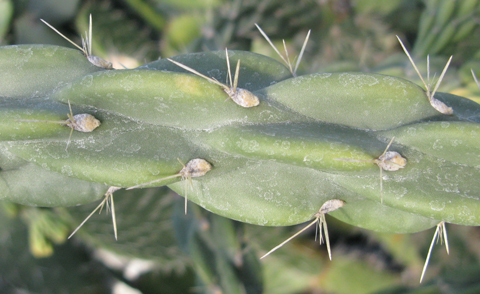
161 250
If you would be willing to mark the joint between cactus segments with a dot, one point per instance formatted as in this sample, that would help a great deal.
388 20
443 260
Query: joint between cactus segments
82 122
240 96
194 168
86 46
321 229
437 104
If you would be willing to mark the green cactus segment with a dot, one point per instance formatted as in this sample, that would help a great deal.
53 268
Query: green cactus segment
9 161
427 186
457 142
36 70
262 192
273 194
359 100
311 145
119 153
34 186
256 71
164 98
311 139
372 215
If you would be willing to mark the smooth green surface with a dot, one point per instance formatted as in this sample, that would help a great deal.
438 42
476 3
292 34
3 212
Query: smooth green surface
427 186
274 194
30 71
34 186
12 110
440 138
311 145
360 100
372 215
165 98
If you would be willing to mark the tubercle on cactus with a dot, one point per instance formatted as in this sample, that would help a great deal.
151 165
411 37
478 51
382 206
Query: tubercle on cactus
328 206
388 161
240 96
83 122
86 46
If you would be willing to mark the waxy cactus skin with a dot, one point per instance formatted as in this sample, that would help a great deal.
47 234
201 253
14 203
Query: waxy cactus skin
312 138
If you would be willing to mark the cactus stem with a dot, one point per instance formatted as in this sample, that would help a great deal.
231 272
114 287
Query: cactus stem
440 233
195 168
322 228
240 96
437 104
108 196
286 58
86 46
83 122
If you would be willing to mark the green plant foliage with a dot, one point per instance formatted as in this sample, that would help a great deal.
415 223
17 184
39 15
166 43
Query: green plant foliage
6 12
45 276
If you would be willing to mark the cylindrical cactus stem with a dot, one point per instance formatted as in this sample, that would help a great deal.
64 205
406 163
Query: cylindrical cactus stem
275 163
